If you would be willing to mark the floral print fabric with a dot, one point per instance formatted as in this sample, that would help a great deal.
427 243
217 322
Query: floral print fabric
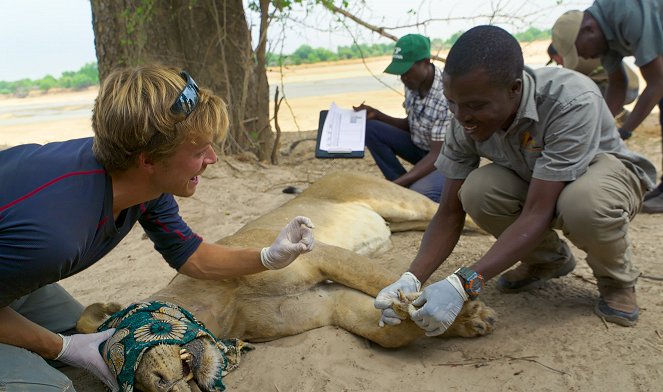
146 324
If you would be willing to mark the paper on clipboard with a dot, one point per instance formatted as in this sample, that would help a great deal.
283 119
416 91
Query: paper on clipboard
344 130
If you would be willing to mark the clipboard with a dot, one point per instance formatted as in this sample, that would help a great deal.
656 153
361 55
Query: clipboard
326 154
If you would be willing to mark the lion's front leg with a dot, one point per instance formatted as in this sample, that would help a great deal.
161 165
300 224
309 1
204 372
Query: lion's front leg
354 312
351 269
475 318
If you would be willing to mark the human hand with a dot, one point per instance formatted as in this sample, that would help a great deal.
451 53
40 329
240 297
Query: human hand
82 351
371 112
295 238
439 304
407 283
625 133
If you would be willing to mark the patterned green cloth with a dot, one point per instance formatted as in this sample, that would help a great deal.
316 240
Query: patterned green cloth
146 324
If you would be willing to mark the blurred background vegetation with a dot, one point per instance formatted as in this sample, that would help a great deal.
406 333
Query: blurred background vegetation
306 54
88 75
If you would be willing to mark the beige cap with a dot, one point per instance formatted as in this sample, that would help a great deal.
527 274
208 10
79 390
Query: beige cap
564 33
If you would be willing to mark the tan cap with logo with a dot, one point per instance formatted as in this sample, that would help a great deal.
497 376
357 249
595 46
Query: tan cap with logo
564 33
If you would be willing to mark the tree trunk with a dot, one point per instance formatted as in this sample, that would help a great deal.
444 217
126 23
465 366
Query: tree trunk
210 39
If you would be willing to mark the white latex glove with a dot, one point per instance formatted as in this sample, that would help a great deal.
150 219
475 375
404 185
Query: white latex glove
439 305
82 351
295 238
407 283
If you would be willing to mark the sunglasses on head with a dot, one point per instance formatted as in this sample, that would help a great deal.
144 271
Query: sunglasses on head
188 98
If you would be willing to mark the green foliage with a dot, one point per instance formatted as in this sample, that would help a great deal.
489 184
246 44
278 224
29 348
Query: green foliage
46 83
87 76
452 40
306 54
533 34
135 17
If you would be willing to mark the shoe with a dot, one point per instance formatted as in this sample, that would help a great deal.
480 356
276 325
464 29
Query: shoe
527 277
654 192
618 305
653 205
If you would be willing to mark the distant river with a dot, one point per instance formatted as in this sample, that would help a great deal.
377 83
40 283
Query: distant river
19 114
30 112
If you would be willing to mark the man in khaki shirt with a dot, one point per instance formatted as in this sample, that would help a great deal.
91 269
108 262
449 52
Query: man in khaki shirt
611 30
557 163
564 33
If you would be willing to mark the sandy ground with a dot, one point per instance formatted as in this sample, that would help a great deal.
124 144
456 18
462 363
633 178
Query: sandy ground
546 340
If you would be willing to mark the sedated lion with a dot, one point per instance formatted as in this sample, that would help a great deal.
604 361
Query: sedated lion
335 284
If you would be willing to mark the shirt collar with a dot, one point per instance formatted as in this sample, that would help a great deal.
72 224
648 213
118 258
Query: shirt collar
527 108
434 87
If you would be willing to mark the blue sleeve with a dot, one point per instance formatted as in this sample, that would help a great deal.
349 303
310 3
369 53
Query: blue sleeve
170 234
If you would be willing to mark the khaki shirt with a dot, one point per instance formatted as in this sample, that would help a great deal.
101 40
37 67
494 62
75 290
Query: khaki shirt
561 124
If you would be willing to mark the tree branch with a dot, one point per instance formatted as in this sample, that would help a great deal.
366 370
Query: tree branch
379 30
277 127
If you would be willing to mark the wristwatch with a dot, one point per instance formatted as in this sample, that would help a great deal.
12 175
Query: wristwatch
472 281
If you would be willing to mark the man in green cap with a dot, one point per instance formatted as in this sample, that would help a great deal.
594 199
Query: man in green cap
613 29
564 33
418 137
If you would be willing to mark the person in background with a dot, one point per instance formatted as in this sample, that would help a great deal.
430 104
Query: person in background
563 37
554 56
611 30
65 205
552 141
418 137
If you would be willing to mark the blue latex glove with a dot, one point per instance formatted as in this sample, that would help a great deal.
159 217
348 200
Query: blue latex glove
438 305
82 351
407 283
294 239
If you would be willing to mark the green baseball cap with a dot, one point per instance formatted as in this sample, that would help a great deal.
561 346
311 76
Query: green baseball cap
409 49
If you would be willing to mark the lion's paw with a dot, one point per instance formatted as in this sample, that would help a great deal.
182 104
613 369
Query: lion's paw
475 319
94 315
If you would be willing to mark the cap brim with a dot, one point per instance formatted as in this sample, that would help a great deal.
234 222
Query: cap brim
570 58
398 68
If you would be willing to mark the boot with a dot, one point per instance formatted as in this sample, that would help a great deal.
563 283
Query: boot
527 277
618 305
653 205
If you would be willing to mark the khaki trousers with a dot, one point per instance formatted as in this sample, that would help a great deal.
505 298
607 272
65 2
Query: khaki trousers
593 212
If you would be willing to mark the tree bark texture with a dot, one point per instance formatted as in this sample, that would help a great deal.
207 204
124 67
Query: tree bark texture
209 38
